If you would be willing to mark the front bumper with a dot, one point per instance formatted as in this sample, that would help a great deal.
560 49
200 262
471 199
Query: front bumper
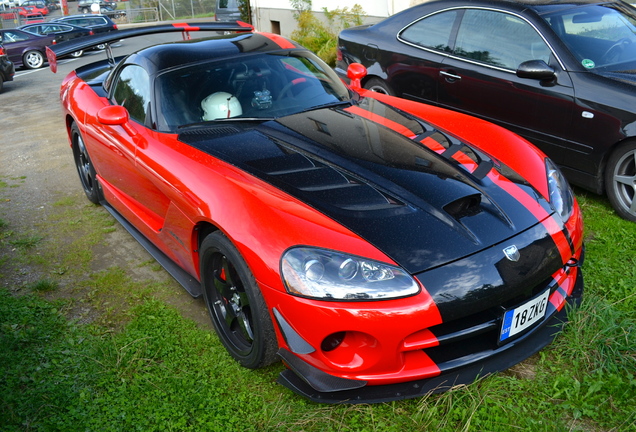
318 386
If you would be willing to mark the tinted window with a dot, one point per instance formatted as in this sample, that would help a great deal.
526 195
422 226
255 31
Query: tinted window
225 4
132 91
598 35
499 39
432 32
87 22
260 86
13 36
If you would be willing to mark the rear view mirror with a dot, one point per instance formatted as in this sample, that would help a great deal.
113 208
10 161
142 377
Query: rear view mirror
536 69
116 115
355 72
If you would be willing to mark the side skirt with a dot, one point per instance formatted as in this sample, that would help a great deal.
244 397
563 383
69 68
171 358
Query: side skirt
191 285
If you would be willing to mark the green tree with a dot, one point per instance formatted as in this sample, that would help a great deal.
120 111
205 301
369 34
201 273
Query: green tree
319 36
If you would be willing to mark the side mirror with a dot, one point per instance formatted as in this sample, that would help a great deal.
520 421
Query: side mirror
116 115
355 72
536 69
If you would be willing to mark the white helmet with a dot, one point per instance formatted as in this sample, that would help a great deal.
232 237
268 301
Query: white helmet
220 105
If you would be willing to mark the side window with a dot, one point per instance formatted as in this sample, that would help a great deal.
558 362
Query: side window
132 91
432 32
10 36
499 39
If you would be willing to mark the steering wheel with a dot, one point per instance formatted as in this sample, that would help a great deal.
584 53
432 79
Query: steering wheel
286 91
615 52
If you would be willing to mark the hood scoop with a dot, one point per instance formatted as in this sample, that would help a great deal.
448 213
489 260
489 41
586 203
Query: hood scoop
464 207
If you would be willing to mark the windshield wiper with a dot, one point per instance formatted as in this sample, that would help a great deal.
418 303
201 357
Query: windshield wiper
348 102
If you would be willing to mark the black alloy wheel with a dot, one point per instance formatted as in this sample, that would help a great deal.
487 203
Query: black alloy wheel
236 306
84 166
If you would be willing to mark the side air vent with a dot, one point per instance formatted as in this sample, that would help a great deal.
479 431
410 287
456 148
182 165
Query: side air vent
466 206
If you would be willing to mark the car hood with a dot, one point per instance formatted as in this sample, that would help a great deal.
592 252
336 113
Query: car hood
365 166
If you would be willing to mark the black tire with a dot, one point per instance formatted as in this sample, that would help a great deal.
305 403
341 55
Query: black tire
1 83
379 86
620 180
33 59
85 169
77 54
236 306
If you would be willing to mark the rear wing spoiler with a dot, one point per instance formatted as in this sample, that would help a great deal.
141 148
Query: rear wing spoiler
54 52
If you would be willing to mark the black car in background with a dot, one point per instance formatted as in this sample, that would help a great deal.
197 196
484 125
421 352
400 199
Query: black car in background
562 74
7 70
98 23
62 32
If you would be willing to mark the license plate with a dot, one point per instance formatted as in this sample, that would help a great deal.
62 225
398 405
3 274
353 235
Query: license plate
525 316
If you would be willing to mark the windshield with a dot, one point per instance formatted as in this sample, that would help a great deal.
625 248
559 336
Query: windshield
599 36
261 87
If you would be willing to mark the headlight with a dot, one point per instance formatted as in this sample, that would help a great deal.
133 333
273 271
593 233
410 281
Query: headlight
329 275
561 196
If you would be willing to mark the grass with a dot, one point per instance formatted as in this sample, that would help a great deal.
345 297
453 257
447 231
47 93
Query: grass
86 350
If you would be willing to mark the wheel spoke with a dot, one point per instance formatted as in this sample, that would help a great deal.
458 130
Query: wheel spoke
626 180
223 281
245 326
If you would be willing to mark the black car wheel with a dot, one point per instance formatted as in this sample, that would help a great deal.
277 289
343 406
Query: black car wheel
236 305
77 54
1 83
620 180
84 166
33 59
379 86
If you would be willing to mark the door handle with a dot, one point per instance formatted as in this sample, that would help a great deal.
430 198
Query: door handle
450 77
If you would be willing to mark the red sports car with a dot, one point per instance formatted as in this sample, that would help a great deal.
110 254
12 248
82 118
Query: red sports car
380 247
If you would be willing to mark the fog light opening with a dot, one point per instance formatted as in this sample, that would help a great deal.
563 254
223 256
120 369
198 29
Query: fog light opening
332 341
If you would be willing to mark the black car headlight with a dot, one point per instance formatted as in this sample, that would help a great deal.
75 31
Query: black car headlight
561 196
329 275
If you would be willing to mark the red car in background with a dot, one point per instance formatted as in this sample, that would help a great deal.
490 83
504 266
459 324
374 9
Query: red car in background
38 6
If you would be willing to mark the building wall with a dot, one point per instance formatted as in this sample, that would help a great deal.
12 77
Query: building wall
277 15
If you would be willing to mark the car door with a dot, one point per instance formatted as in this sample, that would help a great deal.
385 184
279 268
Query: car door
480 79
139 164
116 150
413 70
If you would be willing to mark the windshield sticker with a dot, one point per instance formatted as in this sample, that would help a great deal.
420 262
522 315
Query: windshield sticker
588 64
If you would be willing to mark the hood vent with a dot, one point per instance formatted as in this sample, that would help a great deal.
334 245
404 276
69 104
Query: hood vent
205 133
466 206
326 183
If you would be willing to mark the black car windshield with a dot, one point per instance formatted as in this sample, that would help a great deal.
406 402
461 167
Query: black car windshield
599 36
260 86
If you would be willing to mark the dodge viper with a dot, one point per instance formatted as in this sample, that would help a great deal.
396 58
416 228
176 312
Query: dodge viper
381 248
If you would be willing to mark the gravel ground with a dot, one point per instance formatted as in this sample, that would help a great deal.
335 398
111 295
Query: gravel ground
36 166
